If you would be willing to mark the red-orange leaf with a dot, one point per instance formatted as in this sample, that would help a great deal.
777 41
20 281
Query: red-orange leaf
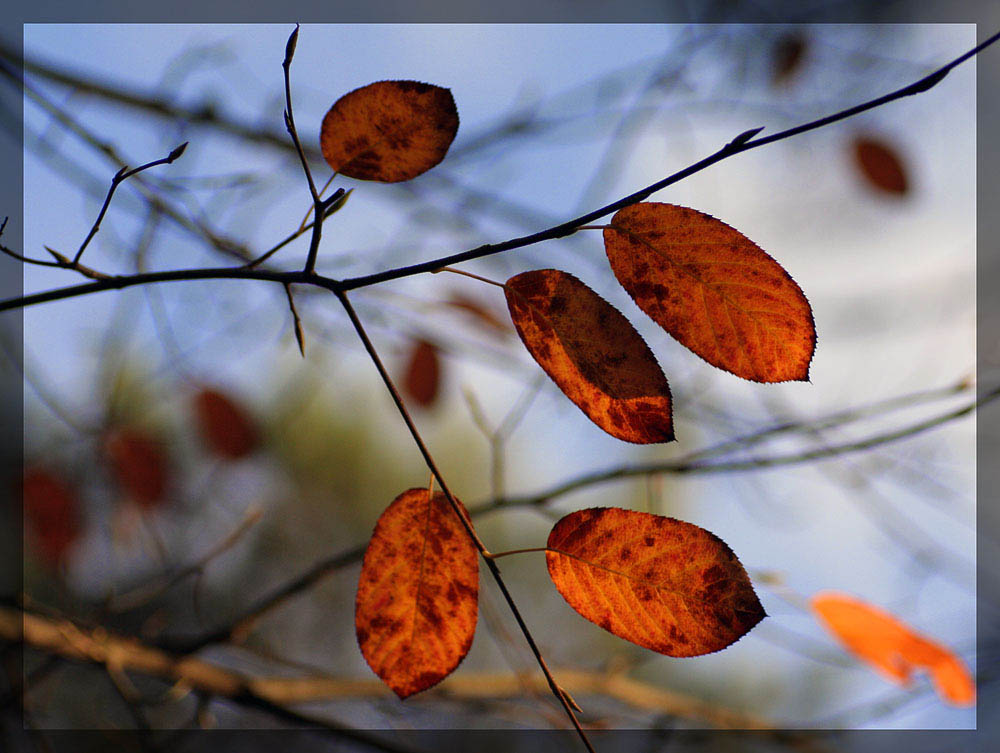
51 510
227 428
714 290
418 594
139 465
389 131
592 353
423 373
881 165
893 648
661 583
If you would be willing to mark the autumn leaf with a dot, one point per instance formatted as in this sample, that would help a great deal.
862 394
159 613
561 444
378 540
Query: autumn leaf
138 464
714 290
418 595
881 165
661 583
592 353
389 131
893 648
226 427
52 512
423 373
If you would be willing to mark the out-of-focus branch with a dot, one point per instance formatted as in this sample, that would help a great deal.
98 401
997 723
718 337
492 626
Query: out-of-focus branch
121 655
694 462
688 465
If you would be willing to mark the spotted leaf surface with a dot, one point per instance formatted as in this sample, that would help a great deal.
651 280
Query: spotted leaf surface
661 583
389 131
714 290
593 354
418 594
893 648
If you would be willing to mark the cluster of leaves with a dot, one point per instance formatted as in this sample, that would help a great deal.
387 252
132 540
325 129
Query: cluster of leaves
139 466
661 583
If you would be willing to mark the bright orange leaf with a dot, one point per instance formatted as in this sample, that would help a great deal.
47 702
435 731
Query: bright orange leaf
714 290
881 165
138 463
893 648
389 131
423 373
226 427
52 512
592 353
418 594
661 583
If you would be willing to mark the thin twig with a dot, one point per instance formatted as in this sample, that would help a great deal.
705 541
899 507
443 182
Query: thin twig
296 322
466 522
120 177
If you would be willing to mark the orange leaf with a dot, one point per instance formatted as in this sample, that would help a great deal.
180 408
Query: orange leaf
892 647
592 353
51 510
138 464
423 373
226 427
418 594
881 165
389 131
661 583
714 290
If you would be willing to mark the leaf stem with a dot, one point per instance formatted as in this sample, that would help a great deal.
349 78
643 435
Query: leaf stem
468 274
498 555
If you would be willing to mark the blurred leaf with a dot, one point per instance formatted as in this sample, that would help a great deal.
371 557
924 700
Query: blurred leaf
891 647
418 594
138 463
52 512
226 427
479 313
714 290
658 582
423 373
881 165
592 353
389 131
786 56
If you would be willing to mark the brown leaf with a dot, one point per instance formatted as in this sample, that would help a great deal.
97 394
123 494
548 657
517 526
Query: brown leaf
389 131
423 373
226 428
418 594
714 290
592 353
661 583
881 165
893 648
52 513
138 463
